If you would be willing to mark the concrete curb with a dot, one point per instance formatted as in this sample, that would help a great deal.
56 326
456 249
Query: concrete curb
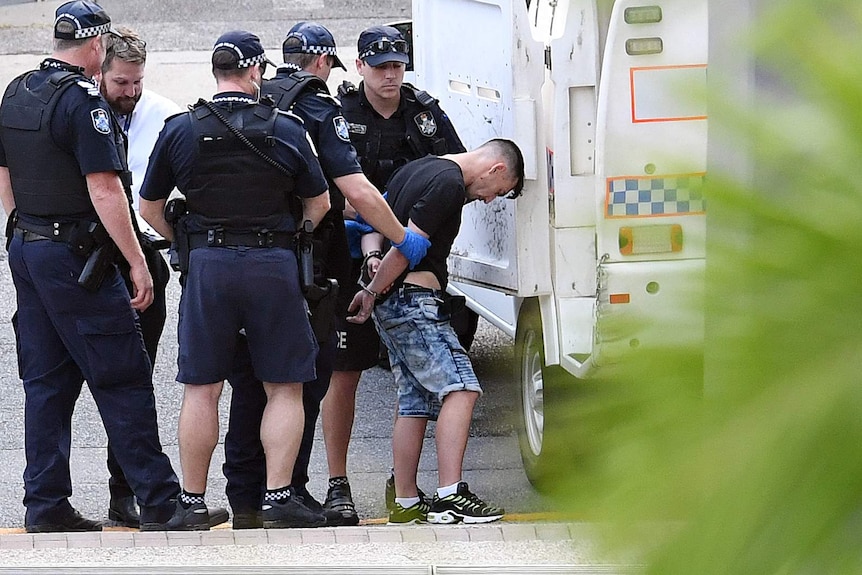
507 532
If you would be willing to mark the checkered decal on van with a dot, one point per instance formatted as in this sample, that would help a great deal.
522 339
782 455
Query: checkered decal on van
664 196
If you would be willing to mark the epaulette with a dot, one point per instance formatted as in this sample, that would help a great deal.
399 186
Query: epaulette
329 97
91 88
421 96
290 115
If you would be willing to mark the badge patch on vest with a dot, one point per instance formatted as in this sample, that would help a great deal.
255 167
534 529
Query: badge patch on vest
101 121
341 129
426 123
357 128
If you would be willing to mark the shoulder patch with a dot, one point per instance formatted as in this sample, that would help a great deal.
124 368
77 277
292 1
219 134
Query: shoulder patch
101 122
357 128
341 129
426 123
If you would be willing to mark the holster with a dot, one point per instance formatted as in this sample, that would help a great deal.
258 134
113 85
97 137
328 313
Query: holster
11 221
100 261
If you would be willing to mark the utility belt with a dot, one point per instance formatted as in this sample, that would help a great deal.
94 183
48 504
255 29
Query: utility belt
220 238
82 236
85 238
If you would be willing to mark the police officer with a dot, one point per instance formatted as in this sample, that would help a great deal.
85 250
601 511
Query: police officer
390 123
61 162
240 165
300 85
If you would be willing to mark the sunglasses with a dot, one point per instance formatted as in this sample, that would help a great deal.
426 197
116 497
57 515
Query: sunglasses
383 46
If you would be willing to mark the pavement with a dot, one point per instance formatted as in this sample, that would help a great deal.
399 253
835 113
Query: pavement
180 35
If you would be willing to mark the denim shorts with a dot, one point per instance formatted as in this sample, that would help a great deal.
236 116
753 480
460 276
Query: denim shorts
427 360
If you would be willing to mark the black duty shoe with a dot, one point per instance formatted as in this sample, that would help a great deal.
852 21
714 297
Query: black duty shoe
333 518
74 522
340 500
288 513
247 520
123 511
389 495
196 517
462 506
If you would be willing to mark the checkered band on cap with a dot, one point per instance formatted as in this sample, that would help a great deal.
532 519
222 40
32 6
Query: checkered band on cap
311 48
81 32
243 62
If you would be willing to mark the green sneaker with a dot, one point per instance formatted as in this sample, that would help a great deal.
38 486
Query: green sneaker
417 513
462 507
389 495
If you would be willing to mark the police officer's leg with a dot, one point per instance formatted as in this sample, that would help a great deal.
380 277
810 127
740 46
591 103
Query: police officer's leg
313 393
108 346
121 508
198 433
52 382
245 462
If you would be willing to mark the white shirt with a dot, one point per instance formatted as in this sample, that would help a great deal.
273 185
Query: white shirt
147 120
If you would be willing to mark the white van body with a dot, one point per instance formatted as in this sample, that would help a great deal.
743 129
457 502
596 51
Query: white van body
606 99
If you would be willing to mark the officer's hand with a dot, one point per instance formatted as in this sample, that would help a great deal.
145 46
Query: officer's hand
142 287
363 301
413 246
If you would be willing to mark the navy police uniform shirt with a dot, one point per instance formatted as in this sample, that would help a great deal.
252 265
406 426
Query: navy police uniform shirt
328 129
175 153
81 124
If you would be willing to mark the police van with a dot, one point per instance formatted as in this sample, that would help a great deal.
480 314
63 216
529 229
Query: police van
605 251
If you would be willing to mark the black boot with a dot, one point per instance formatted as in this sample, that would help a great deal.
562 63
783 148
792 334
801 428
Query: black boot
123 511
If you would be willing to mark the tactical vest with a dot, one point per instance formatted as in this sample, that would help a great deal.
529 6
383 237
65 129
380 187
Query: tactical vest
231 186
383 146
46 180
285 90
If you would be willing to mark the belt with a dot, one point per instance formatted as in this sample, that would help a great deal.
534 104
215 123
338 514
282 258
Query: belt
225 239
408 289
58 232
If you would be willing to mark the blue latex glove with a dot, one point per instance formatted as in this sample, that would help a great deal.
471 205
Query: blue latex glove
413 247
355 230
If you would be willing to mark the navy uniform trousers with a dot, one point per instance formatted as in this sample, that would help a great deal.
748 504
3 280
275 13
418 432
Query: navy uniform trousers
66 335
152 322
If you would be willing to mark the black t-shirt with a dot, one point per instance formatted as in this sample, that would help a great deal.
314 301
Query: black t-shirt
430 191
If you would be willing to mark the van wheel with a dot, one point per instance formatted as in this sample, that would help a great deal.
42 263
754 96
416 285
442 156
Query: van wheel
535 380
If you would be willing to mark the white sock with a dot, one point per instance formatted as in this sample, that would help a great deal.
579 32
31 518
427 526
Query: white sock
406 502
448 490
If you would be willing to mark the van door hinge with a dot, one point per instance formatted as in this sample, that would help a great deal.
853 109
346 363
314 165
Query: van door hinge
548 57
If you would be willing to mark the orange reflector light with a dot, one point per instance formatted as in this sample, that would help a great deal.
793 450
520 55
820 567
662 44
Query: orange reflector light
638 240
620 298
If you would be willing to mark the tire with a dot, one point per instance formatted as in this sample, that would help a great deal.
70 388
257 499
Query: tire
534 381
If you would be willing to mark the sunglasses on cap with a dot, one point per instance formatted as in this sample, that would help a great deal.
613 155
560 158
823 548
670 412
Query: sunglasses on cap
383 46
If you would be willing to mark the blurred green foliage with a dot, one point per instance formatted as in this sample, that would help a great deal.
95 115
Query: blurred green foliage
762 472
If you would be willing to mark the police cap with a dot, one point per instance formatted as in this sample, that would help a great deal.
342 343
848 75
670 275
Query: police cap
380 44
80 19
245 46
312 39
